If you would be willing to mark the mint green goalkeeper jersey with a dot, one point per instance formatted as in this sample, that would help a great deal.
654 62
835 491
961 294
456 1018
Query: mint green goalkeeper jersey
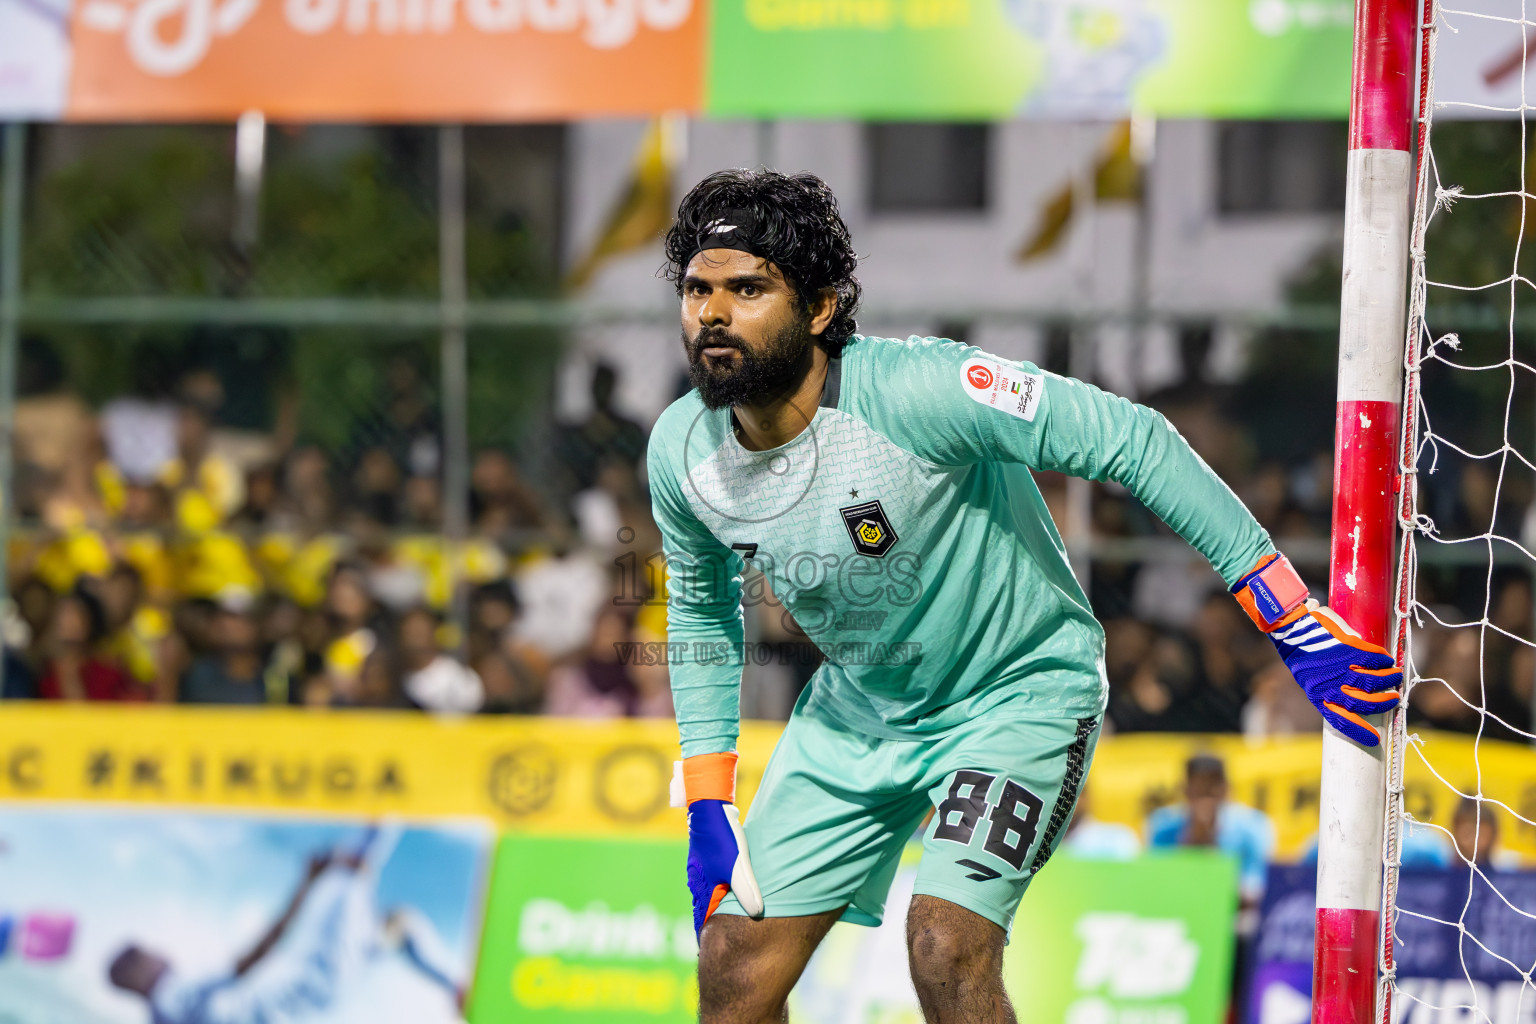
903 531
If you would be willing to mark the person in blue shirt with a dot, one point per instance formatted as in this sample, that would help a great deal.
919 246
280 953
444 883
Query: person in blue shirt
1208 818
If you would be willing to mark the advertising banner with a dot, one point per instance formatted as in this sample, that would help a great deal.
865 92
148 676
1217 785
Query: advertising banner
1134 774
585 931
1117 942
118 917
1462 943
598 932
370 60
1041 58
543 775
500 60
594 778
1095 942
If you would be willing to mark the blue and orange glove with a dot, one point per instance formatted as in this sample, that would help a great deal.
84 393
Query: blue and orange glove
717 848
1342 675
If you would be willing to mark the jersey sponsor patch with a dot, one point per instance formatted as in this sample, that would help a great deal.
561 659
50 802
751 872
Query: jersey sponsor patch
1005 388
870 530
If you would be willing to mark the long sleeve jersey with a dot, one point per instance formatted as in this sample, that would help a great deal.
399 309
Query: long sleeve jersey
904 532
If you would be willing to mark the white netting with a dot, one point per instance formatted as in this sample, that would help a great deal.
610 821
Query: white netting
1459 943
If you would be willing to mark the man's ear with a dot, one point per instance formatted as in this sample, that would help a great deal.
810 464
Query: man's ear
823 308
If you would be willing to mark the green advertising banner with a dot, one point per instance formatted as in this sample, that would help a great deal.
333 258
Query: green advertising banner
587 931
1101 942
983 59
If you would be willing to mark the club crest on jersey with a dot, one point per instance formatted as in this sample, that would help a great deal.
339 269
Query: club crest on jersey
870 530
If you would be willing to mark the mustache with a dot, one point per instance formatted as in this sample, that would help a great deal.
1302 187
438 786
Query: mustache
714 337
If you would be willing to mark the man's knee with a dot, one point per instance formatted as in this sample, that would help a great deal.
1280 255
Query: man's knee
949 946
728 955
746 967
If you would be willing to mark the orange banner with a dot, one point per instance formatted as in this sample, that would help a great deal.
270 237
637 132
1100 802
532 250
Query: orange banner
469 60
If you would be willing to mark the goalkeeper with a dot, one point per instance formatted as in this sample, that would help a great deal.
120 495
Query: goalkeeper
882 487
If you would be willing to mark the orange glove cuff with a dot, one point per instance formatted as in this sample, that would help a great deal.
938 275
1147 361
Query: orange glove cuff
710 777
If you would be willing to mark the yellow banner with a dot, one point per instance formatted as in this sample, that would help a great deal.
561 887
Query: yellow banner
531 774
557 776
1133 774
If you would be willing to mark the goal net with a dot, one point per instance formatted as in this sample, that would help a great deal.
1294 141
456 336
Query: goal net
1459 924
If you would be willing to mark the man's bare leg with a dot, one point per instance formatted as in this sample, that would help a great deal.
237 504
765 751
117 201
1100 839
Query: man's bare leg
957 964
747 967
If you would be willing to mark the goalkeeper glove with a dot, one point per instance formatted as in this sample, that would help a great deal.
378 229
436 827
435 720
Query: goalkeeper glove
1342 675
717 847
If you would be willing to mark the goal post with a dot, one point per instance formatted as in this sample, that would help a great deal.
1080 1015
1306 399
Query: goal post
1371 344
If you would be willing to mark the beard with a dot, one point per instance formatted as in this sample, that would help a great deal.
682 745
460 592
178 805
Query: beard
754 377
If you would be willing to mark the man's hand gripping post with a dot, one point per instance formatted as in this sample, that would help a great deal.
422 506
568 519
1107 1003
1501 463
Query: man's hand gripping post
1342 675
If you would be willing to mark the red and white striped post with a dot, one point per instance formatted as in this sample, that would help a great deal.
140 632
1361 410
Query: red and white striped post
1371 332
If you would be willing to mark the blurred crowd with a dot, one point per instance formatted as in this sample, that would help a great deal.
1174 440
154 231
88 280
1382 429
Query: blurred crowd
165 556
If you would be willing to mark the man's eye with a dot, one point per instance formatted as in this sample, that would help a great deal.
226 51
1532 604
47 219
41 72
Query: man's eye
750 291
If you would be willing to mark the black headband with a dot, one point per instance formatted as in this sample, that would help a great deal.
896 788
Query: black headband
733 229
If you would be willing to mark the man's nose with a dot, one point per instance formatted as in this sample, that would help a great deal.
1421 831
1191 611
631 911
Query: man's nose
716 310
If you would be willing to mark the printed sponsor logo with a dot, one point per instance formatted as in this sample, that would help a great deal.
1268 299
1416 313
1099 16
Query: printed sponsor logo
169 38
1002 387
1133 970
631 782
1134 957
593 959
523 780
116 772
549 927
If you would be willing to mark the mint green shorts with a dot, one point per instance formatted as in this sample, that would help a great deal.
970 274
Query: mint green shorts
835 807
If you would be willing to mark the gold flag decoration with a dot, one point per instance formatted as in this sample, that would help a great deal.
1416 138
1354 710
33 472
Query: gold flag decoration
644 210
1116 178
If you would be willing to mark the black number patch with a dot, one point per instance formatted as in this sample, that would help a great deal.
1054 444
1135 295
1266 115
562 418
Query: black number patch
970 808
1005 820
967 802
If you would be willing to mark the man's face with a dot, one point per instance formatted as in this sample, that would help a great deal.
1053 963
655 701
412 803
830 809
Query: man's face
236 632
747 335
418 639
1205 794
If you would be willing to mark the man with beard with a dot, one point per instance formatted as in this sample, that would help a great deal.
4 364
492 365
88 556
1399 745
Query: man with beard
882 487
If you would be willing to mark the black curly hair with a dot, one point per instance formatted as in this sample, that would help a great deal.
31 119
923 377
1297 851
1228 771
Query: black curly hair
796 226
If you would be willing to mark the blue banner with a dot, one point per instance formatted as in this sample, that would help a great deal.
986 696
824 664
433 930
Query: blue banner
1462 943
